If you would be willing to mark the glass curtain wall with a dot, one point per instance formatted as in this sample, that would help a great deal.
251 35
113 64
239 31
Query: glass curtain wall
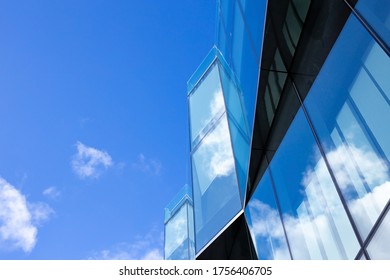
326 191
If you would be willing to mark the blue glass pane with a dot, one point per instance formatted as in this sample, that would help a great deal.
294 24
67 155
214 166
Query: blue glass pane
264 223
377 14
215 187
254 13
176 236
238 126
316 224
379 247
349 106
206 104
226 23
191 232
245 64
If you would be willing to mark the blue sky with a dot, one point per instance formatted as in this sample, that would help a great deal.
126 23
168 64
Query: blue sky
94 123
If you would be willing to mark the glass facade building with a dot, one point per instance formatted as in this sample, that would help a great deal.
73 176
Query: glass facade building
290 141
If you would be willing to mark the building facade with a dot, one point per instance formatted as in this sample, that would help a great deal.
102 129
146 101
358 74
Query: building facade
289 127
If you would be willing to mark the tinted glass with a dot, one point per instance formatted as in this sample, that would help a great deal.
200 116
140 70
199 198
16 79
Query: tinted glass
215 186
238 126
349 106
316 224
377 14
176 233
206 104
264 223
379 247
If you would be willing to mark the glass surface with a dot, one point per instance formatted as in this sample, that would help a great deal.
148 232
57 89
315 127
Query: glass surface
191 232
215 186
238 127
264 223
254 13
176 235
245 64
206 104
225 23
377 14
349 107
316 224
379 247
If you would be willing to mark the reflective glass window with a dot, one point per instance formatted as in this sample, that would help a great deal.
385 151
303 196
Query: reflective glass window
215 187
206 103
254 14
238 126
264 223
379 247
349 107
316 224
245 64
176 233
377 14
225 24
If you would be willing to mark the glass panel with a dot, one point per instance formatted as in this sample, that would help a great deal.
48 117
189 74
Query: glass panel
226 22
379 247
316 224
238 127
264 223
206 104
245 65
254 13
363 257
377 14
176 233
191 231
349 106
216 193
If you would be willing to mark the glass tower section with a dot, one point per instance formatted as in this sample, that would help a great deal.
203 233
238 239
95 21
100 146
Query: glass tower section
179 227
219 147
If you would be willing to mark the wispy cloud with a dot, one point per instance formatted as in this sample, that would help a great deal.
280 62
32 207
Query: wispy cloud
147 247
89 162
146 165
51 192
19 218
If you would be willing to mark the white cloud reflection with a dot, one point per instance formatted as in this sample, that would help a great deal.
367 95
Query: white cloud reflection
177 233
214 158
320 227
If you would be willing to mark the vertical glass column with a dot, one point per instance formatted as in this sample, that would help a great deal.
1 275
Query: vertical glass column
219 148
179 243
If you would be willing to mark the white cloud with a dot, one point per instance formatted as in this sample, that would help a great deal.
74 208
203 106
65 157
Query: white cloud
149 166
90 162
51 192
19 218
146 247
